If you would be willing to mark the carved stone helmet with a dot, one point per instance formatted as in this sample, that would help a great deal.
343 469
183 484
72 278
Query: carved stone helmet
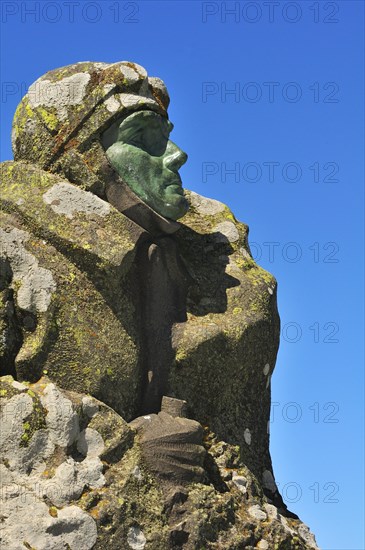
59 123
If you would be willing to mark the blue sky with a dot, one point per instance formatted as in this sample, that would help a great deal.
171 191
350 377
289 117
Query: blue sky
267 100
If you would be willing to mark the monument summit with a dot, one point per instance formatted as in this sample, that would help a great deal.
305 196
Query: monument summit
138 335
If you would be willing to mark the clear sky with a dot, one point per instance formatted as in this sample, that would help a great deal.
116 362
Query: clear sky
267 100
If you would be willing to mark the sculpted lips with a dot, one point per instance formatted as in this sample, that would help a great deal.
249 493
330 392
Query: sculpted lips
174 184
175 189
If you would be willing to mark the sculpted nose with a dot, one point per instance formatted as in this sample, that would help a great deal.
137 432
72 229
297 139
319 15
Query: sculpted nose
174 157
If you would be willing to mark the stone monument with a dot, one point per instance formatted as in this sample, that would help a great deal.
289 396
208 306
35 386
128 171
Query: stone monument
138 335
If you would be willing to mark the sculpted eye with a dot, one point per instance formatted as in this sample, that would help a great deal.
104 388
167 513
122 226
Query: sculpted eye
136 137
137 140
147 131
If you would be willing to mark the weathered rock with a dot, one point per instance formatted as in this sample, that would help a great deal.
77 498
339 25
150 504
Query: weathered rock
111 300
47 463
85 271
231 314
75 279
60 487
75 270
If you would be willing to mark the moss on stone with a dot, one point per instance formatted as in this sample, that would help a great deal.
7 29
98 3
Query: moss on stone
50 118
35 421
7 390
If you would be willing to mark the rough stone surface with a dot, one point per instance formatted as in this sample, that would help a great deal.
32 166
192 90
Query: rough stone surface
257 513
240 482
74 299
89 406
76 276
90 338
36 283
136 539
65 198
226 231
39 427
268 481
205 206
60 95
81 497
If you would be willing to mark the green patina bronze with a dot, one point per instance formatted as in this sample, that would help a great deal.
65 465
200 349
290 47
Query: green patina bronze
148 161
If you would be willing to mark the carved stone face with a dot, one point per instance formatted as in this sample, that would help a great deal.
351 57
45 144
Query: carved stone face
148 161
